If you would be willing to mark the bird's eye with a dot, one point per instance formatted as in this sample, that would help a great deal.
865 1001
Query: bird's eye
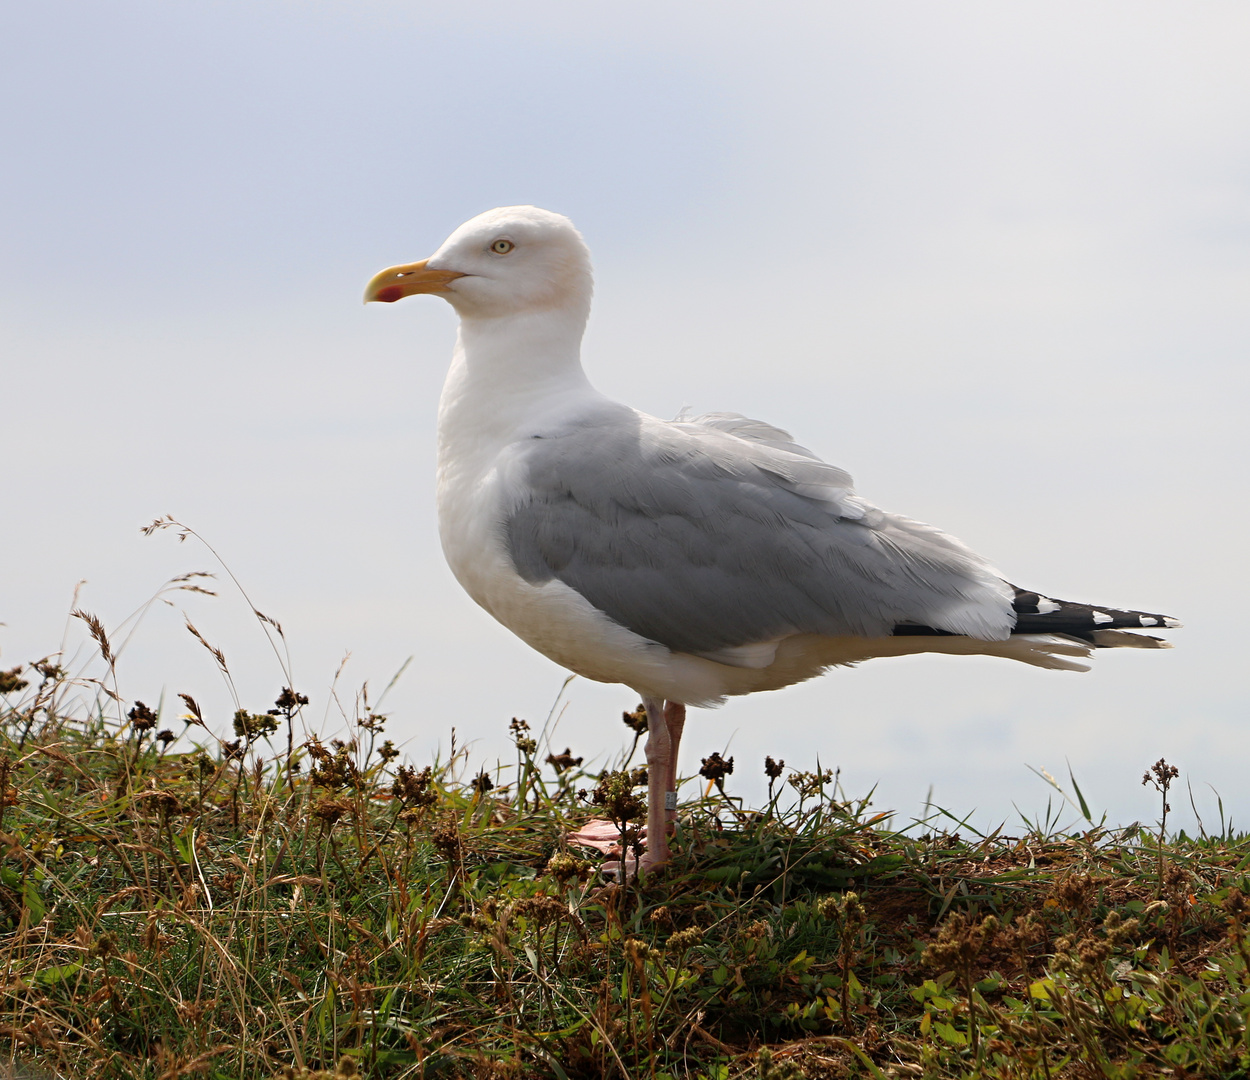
502 247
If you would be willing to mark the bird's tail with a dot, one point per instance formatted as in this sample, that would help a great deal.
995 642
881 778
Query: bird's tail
1051 633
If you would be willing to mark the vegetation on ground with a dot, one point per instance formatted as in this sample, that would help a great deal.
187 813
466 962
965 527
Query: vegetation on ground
271 905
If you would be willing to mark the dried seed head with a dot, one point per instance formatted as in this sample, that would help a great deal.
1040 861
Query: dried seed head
960 941
10 683
253 726
564 867
48 670
445 836
684 939
141 717
716 768
636 721
767 1068
637 950
1075 893
335 766
289 701
808 784
563 762
415 789
520 735
615 793
1160 775
328 810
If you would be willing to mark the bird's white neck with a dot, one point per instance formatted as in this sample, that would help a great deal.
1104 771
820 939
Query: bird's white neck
510 373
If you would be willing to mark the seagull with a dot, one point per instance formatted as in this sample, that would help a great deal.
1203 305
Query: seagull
690 559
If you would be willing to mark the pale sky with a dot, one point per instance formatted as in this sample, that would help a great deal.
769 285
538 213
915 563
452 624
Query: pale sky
993 259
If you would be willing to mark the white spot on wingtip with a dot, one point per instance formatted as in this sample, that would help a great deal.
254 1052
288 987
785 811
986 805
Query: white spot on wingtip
1045 605
1101 617
1148 620
1173 624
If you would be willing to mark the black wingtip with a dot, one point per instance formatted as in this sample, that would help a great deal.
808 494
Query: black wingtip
1040 614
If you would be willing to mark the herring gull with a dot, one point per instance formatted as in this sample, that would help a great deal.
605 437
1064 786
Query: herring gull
690 559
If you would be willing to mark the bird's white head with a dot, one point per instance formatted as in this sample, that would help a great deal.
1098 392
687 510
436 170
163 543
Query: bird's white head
508 261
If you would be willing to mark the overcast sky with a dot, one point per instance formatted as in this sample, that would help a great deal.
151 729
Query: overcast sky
993 259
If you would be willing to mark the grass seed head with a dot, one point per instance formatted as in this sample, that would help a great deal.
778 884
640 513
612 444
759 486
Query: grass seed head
193 707
98 633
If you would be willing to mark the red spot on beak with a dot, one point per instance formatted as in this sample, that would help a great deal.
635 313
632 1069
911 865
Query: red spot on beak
390 293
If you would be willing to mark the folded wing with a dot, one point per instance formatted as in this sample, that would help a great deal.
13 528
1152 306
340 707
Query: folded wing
718 533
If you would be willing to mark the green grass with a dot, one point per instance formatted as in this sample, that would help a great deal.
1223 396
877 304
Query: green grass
271 906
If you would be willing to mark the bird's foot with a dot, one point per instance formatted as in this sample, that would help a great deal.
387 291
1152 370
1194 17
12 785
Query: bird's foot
601 835
652 861
605 837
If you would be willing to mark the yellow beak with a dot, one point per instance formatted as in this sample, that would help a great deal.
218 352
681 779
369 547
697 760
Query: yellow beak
396 282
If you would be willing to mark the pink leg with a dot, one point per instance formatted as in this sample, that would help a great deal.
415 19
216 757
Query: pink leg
665 722
659 768
675 719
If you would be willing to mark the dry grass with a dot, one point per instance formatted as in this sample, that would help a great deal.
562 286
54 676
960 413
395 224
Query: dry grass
271 905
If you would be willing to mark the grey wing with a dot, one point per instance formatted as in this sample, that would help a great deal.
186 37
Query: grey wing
704 539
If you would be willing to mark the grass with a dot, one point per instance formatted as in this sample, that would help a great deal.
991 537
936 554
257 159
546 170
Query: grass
175 904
